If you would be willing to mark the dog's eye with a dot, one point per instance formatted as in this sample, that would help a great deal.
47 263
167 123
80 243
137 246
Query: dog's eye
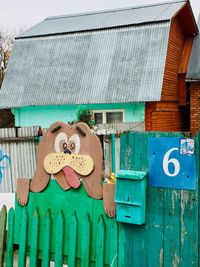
60 140
64 146
74 143
72 146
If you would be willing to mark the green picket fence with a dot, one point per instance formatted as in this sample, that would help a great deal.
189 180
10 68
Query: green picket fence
78 235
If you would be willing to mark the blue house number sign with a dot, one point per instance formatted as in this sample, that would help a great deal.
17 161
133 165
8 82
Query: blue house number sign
172 163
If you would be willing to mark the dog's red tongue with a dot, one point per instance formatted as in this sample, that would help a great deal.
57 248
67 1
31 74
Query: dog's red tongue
72 177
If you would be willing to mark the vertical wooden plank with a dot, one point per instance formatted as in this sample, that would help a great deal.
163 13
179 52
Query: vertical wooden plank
113 238
171 229
34 239
23 239
121 246
47 240
85 246
107 156
59 240
190 219
100 243
133 156
10 238
117 154
72 241
155 208
3 218
113 152
189 229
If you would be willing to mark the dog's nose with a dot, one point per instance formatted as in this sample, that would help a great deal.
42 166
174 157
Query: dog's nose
67 151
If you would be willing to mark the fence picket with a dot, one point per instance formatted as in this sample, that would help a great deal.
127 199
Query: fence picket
47 241
23 238
100 243
59 240
34 239
113 243
10 238
121 245
72 240
3 218
85 249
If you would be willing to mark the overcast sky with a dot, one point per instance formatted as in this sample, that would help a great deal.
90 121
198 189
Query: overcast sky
18 15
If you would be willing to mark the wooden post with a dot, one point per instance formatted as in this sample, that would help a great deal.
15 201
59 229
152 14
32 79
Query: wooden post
113 153
3 219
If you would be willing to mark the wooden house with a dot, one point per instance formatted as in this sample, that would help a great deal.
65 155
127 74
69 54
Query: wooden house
127 65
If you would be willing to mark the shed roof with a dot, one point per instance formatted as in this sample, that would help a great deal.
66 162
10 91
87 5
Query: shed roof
193 73
111 65
105 19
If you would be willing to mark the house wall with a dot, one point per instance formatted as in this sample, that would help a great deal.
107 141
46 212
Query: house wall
46 115
166 115
194 107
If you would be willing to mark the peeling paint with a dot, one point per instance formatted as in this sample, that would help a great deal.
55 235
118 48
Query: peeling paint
175 260
184 201
175 197
161 258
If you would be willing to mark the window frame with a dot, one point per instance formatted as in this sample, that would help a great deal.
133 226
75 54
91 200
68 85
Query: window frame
104 111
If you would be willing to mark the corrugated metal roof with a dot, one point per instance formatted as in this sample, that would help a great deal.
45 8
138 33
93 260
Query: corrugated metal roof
108 66
193 73
105 19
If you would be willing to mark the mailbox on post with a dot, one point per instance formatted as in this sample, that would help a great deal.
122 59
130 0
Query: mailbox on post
130 196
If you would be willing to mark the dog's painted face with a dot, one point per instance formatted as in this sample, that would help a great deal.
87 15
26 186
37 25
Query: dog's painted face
69 153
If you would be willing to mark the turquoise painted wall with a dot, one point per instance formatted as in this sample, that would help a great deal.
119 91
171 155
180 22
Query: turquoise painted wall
46 115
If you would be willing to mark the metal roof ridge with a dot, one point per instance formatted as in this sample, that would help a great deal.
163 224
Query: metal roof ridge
88 13
90 30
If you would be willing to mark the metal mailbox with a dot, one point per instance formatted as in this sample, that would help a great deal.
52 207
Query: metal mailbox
130 196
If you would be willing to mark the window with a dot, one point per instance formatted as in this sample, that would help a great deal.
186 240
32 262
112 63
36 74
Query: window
108 116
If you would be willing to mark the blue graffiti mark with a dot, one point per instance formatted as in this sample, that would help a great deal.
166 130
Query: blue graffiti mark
4 164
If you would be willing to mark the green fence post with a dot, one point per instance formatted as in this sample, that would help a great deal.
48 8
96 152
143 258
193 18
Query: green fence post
3 218
72 240
10 238
59 240
47 240
34 239
23 239
100 245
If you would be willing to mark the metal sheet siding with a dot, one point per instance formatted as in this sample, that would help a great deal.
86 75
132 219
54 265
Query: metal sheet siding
22 157
109 66
105 19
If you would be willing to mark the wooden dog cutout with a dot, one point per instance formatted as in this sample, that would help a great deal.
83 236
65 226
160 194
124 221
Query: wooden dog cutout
69 152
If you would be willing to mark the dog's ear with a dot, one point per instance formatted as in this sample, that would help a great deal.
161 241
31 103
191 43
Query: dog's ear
93 182
41 179
91 145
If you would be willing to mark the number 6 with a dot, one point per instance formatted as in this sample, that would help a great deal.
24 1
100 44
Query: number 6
167 161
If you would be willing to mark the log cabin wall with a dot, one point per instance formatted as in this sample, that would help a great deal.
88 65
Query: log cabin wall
170 113
195 107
